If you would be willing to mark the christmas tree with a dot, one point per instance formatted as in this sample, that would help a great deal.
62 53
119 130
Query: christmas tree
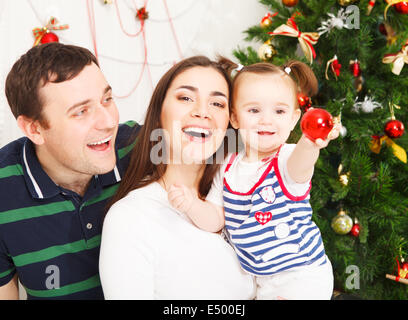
357 50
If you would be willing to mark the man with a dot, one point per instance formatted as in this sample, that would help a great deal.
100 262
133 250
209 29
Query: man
55 182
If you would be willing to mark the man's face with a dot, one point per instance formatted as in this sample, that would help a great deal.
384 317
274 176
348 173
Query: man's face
83 122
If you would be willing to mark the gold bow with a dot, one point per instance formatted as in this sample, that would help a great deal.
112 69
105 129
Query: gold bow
306 39
398 151
397 59
52 24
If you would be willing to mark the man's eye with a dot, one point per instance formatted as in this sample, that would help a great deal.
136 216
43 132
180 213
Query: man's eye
80 113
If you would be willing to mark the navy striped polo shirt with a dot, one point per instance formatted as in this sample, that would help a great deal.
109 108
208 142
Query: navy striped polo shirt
51 236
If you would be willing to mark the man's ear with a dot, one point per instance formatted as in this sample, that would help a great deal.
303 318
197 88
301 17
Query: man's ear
234 121
31 128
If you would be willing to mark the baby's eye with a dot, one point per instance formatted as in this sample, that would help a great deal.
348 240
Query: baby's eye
253 110
280 111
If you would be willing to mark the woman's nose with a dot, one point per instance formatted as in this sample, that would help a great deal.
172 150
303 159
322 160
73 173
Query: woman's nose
201 110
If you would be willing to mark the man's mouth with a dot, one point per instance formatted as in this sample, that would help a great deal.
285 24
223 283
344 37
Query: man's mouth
100 145
197 134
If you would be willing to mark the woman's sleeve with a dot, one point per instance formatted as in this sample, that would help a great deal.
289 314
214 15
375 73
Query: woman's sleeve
126 263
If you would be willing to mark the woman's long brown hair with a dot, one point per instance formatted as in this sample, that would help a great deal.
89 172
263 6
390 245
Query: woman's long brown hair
141 170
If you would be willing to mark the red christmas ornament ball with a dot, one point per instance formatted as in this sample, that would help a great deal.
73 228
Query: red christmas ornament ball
355 230
290 3
355 68
394 129
402 7
404 267
382 29
316 123
49 37
304 102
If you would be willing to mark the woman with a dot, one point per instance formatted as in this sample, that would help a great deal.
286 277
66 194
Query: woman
149 250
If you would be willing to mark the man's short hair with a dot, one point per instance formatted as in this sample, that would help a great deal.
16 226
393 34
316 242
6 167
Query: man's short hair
51 62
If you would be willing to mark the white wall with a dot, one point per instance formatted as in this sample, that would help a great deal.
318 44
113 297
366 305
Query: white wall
201 26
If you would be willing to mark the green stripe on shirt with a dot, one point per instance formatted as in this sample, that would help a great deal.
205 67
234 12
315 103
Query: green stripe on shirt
106 193
35 211
6 273
124 151
55 251
87 284
13 170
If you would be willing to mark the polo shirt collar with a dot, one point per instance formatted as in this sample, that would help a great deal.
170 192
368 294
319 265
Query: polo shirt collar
40 184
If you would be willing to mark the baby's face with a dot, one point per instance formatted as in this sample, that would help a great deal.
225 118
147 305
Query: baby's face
264 111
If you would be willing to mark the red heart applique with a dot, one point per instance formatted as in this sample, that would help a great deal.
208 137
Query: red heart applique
263 217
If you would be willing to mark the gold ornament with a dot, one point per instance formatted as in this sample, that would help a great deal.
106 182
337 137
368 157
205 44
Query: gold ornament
267 20
290 3
346 2
107 1
266 51
343 178
342 223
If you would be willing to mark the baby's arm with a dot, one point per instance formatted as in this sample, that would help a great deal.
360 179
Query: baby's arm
204 214
303 158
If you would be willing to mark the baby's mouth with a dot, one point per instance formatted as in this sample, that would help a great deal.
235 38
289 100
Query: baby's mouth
265 133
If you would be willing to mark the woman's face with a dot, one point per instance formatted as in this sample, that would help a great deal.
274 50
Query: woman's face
195 115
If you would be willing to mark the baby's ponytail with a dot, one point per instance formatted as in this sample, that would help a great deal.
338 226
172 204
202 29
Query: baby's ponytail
303 75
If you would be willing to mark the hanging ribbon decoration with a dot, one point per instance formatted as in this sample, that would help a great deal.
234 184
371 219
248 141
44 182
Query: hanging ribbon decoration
142 14
306 39
335 67
398 151
397 59
51 25
370 6
391 3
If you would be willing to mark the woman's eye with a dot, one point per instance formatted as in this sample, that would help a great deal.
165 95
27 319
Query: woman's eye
219 104
253 110
185 98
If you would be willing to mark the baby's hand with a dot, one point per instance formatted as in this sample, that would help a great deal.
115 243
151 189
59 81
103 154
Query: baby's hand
181 198
333 134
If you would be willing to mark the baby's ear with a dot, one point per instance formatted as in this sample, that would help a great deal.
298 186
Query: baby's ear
295 117
234 121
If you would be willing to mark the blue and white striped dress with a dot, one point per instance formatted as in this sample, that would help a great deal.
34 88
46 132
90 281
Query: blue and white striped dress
271 229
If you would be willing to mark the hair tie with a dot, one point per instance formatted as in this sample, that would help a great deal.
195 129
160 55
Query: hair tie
287 70
239 67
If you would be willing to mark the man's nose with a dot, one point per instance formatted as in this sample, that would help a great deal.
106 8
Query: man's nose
106 118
